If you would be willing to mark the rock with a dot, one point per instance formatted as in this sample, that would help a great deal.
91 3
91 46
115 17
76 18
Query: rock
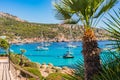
50 65
65 68
43 66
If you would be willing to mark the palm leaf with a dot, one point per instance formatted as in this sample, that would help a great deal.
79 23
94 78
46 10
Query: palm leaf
62 13
85 10
108 4
113 28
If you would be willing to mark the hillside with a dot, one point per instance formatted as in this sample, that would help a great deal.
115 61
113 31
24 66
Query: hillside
15 27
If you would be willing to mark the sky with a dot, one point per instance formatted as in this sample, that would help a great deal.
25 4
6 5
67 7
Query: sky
38 11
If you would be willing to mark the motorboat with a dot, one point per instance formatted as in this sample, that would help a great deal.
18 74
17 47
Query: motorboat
41 48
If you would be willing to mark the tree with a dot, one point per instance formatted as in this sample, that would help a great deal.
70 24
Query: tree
89 13
4 44
22 52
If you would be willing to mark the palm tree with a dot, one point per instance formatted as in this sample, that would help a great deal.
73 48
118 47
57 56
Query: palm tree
21 59
89 13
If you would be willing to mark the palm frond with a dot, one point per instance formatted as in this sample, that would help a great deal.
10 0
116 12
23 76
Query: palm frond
84 9
106 5
113 28
61 12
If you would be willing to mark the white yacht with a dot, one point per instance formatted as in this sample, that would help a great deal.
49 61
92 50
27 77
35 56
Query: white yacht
43 46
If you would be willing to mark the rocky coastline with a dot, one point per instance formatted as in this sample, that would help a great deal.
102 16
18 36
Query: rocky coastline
47 69
32 40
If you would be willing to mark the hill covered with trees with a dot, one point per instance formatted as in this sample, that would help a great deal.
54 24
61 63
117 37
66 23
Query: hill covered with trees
13 27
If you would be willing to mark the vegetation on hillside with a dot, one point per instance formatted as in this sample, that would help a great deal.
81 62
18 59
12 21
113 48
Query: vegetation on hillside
12 28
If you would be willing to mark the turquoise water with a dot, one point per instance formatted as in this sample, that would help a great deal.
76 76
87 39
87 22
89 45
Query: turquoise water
54 54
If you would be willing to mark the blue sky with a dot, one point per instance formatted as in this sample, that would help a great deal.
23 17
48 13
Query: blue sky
39 11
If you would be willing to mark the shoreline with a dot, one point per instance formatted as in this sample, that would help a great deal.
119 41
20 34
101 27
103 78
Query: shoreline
29 41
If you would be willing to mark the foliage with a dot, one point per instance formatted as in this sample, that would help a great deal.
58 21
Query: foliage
89 13
4 44
15 58
84 10
33 30
111 69
59 76
30 64
113 28
22 52
34 71
79 69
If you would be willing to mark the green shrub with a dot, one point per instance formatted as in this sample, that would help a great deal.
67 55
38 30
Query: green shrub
30 64
15 58
32 79
59 76
34 71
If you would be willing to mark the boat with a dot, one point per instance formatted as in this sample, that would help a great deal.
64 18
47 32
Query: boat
43 46
69 46
68 55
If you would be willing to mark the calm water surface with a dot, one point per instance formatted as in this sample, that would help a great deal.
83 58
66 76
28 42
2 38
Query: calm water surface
54 54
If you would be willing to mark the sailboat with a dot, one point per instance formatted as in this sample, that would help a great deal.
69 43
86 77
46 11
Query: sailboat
69 54
42 47
69 46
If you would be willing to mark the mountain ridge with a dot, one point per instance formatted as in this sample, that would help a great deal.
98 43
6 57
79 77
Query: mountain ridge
14 28
7 15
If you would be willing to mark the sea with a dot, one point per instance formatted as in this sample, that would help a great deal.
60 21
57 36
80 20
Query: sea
55 52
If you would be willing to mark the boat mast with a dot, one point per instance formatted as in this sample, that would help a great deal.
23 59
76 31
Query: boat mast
70 32
42 39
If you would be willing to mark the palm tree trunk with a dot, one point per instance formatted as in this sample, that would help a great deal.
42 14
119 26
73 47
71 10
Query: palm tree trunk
91 54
